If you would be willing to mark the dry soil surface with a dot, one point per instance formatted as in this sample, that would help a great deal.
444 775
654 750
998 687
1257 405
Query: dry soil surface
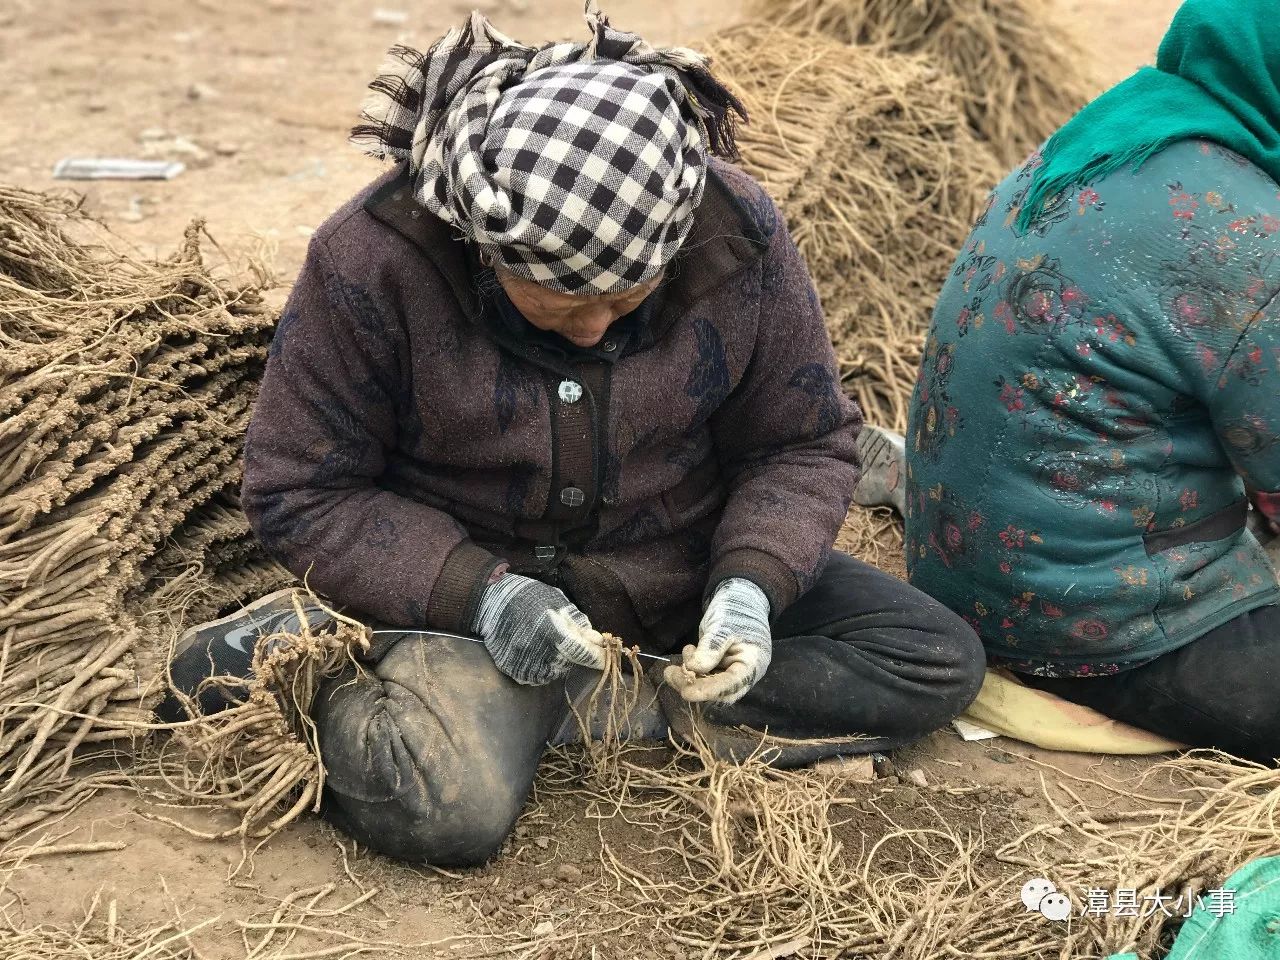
257 96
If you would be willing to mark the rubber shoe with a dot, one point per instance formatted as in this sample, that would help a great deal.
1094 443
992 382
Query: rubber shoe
224 648
883 454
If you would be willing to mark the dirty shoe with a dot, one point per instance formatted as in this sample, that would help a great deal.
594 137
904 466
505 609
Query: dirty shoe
884 469
224 648
645 722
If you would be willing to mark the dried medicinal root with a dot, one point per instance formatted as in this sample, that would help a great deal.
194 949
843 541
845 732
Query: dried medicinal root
99 937
868 155
260 758
1021 70
748 860
874 535
125 387
604 748
1223 817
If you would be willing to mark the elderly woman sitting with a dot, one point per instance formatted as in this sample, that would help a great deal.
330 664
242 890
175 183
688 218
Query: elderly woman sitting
559 373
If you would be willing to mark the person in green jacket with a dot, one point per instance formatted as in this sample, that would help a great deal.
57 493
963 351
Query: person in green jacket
1099 400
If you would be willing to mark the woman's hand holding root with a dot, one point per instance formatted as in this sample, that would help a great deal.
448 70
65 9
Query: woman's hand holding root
734 647
534 633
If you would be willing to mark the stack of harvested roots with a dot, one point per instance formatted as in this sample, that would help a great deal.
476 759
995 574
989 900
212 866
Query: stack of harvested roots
749 859
260 758
125 388
880 180
1022 73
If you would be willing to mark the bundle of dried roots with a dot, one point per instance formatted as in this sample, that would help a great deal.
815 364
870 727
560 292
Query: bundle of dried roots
880 181
1022 71
125 387
875 536
260 758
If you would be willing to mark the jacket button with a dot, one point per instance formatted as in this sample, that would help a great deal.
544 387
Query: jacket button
570 392
572 497
609 346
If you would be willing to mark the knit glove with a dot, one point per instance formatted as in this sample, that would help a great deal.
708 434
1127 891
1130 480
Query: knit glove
533 632
734 641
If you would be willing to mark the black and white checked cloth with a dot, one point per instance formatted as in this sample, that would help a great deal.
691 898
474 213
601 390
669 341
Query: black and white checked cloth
576 166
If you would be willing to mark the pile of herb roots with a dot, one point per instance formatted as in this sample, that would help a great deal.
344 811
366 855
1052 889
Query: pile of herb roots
125 389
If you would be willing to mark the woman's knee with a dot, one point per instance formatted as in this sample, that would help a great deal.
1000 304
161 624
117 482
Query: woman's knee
955 665
403 783
467 831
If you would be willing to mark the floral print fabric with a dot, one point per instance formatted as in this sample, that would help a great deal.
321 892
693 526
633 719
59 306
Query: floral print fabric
1098 397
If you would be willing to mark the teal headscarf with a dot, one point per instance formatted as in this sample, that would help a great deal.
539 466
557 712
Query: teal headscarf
1217 77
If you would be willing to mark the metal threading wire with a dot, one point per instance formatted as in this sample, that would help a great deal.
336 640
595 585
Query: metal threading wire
458 636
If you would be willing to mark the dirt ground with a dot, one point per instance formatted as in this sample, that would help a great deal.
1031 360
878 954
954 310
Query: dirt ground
256 96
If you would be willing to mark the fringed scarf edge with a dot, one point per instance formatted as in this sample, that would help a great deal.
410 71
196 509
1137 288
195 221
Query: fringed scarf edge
400 86
1045 188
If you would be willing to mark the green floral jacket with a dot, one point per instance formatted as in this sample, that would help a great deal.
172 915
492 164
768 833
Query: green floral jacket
1097 399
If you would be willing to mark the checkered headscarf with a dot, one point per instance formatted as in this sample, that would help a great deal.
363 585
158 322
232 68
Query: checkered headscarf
576 166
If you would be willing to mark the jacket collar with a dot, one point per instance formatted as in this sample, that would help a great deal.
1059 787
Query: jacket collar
392 204
723 241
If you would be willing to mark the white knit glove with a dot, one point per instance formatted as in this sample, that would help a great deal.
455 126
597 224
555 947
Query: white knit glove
734 641
533 632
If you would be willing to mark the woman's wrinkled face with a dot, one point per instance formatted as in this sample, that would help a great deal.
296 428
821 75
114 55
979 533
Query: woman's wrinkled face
580 320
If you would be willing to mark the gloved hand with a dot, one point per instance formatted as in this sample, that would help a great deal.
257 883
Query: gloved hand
734 646
533 632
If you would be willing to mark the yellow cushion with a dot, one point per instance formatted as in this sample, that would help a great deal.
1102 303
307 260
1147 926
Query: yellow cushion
1007 707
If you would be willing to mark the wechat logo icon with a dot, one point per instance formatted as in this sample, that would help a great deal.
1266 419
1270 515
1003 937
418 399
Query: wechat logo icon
1041 896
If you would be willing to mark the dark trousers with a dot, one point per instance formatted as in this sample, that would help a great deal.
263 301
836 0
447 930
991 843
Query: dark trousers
431 756
1218 691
